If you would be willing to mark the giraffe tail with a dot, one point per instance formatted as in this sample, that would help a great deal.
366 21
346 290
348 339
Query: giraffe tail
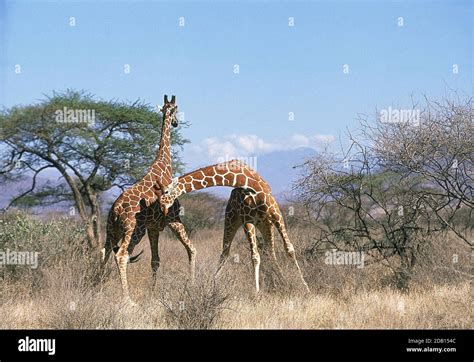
134 259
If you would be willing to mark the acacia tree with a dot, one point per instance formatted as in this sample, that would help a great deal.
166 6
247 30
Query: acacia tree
93 144
360 206
439 150
396 185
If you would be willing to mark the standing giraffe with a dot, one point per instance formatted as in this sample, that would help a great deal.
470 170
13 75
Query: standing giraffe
137 210
251 204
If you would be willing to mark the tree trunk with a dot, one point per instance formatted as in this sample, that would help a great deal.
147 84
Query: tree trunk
95 218
404 271
92 221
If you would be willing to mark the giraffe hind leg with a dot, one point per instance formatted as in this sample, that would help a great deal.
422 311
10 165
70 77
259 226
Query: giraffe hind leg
179 231
290 250
121 258
266 229
231 226
132 237
252 238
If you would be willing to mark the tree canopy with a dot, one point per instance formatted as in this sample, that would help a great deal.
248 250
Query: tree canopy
94 144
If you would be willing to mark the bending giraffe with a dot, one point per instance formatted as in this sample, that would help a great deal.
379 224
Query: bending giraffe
251 204
137 210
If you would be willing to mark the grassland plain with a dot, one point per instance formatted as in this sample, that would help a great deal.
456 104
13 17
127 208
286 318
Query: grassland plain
63 292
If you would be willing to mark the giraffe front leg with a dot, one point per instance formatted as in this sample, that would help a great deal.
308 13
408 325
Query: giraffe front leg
266 229
154 237
179 231
252 238
121 258
231 225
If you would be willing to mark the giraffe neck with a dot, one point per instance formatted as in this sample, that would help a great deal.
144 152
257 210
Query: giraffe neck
231 174
161 167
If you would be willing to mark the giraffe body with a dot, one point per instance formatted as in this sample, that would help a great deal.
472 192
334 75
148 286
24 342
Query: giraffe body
251 205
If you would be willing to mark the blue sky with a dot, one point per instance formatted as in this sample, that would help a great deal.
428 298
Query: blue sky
282 68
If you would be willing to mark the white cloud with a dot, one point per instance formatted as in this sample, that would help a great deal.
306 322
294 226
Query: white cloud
244 145
237 145
325 138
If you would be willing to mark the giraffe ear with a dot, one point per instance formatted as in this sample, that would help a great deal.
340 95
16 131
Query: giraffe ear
173 99
166 99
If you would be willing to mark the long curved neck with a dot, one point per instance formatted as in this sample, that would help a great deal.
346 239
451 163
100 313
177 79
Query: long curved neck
231 174
162 166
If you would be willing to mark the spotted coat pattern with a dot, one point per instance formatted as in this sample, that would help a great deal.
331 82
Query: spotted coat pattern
251 205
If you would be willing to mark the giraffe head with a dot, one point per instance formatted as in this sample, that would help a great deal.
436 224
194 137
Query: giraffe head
169 195
170 109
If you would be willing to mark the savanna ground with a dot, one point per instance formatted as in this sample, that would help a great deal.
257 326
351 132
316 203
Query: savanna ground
62 292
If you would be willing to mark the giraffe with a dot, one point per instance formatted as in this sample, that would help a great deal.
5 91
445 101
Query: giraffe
251 204
137 211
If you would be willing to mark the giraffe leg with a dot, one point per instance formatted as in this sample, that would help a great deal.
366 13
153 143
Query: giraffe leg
289 248
230 228
154 237
121 258
266 229
252 238
133 234
179 231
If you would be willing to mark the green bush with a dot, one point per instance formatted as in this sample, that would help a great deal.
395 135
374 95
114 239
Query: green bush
49 239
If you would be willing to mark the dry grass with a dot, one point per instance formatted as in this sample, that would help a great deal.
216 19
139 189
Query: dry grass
64 295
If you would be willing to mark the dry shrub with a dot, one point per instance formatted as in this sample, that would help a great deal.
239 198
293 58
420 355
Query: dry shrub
195 306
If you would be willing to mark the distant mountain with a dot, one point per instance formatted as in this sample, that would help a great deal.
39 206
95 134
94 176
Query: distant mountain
15 188
277 168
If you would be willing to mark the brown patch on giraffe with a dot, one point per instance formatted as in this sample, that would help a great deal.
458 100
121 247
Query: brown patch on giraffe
209 180
240 179
133 197
219 179
199 176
